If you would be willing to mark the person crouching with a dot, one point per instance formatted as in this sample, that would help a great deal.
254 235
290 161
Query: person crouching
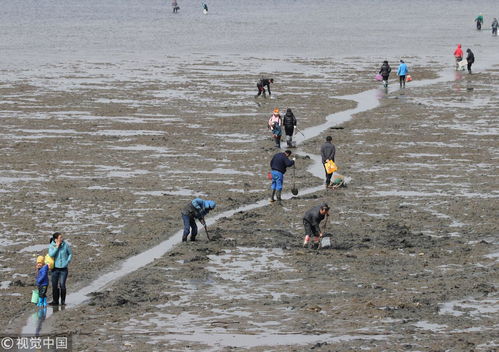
311 223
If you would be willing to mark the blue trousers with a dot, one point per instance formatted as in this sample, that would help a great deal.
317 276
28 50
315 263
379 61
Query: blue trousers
277 180
189 223
59 277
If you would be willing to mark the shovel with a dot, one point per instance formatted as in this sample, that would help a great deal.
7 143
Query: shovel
294 190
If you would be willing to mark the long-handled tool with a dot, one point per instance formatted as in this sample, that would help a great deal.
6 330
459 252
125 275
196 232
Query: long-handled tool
294 190
206 230
300 131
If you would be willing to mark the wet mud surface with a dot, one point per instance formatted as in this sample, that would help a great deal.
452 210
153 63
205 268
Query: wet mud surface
413 262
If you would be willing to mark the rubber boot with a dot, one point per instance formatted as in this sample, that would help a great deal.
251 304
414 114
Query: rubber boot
40 302
272 200
184 238
306 241
44 303
55 297
193 238
316 242
279 200
63 296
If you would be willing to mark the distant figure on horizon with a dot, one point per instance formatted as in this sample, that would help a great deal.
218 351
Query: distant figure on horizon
479 22
470 58
458 55
385 72
175 6
264 82
205 8
402 72
495 24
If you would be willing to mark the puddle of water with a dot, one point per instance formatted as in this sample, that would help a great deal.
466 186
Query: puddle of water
4 285
35 248
425 325
472 307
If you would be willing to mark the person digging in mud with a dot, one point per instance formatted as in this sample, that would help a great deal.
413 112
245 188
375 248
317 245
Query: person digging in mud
264 82
196 209
289 122
279 163
311 222
328 150
275 126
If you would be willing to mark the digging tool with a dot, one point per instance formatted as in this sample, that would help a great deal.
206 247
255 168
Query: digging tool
294 190
300 131
206 230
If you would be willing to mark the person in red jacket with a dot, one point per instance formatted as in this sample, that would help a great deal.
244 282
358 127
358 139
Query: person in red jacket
458 54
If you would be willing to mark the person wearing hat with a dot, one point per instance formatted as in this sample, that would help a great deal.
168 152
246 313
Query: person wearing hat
42 280
264 82
61 251
196 209
311 222
275 126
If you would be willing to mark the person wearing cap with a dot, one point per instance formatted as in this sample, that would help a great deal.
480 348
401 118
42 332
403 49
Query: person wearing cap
279 163
196 209
328 150
42 280
402 72
61 251
264 82
275 126
311 222
289 122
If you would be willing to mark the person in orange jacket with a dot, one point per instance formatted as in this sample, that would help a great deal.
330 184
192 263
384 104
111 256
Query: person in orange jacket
458 54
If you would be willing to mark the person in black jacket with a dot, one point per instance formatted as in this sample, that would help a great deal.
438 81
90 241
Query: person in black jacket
328 150
279 163
385 72
289 122
311 222
470 58
264 82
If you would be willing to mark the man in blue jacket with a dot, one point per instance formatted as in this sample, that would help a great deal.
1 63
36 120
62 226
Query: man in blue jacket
196 209
402 72
278 164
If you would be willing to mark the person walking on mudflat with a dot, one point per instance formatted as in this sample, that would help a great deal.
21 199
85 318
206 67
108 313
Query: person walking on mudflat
402 73
279 163
196 209
470 59
62 254
264 82
328 150
289 122
311 222
384 71
275 127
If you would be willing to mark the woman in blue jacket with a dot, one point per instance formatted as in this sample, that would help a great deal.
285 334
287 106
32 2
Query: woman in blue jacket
402 72
62 254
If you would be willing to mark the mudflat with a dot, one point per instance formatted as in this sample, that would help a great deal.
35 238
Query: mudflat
413 262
